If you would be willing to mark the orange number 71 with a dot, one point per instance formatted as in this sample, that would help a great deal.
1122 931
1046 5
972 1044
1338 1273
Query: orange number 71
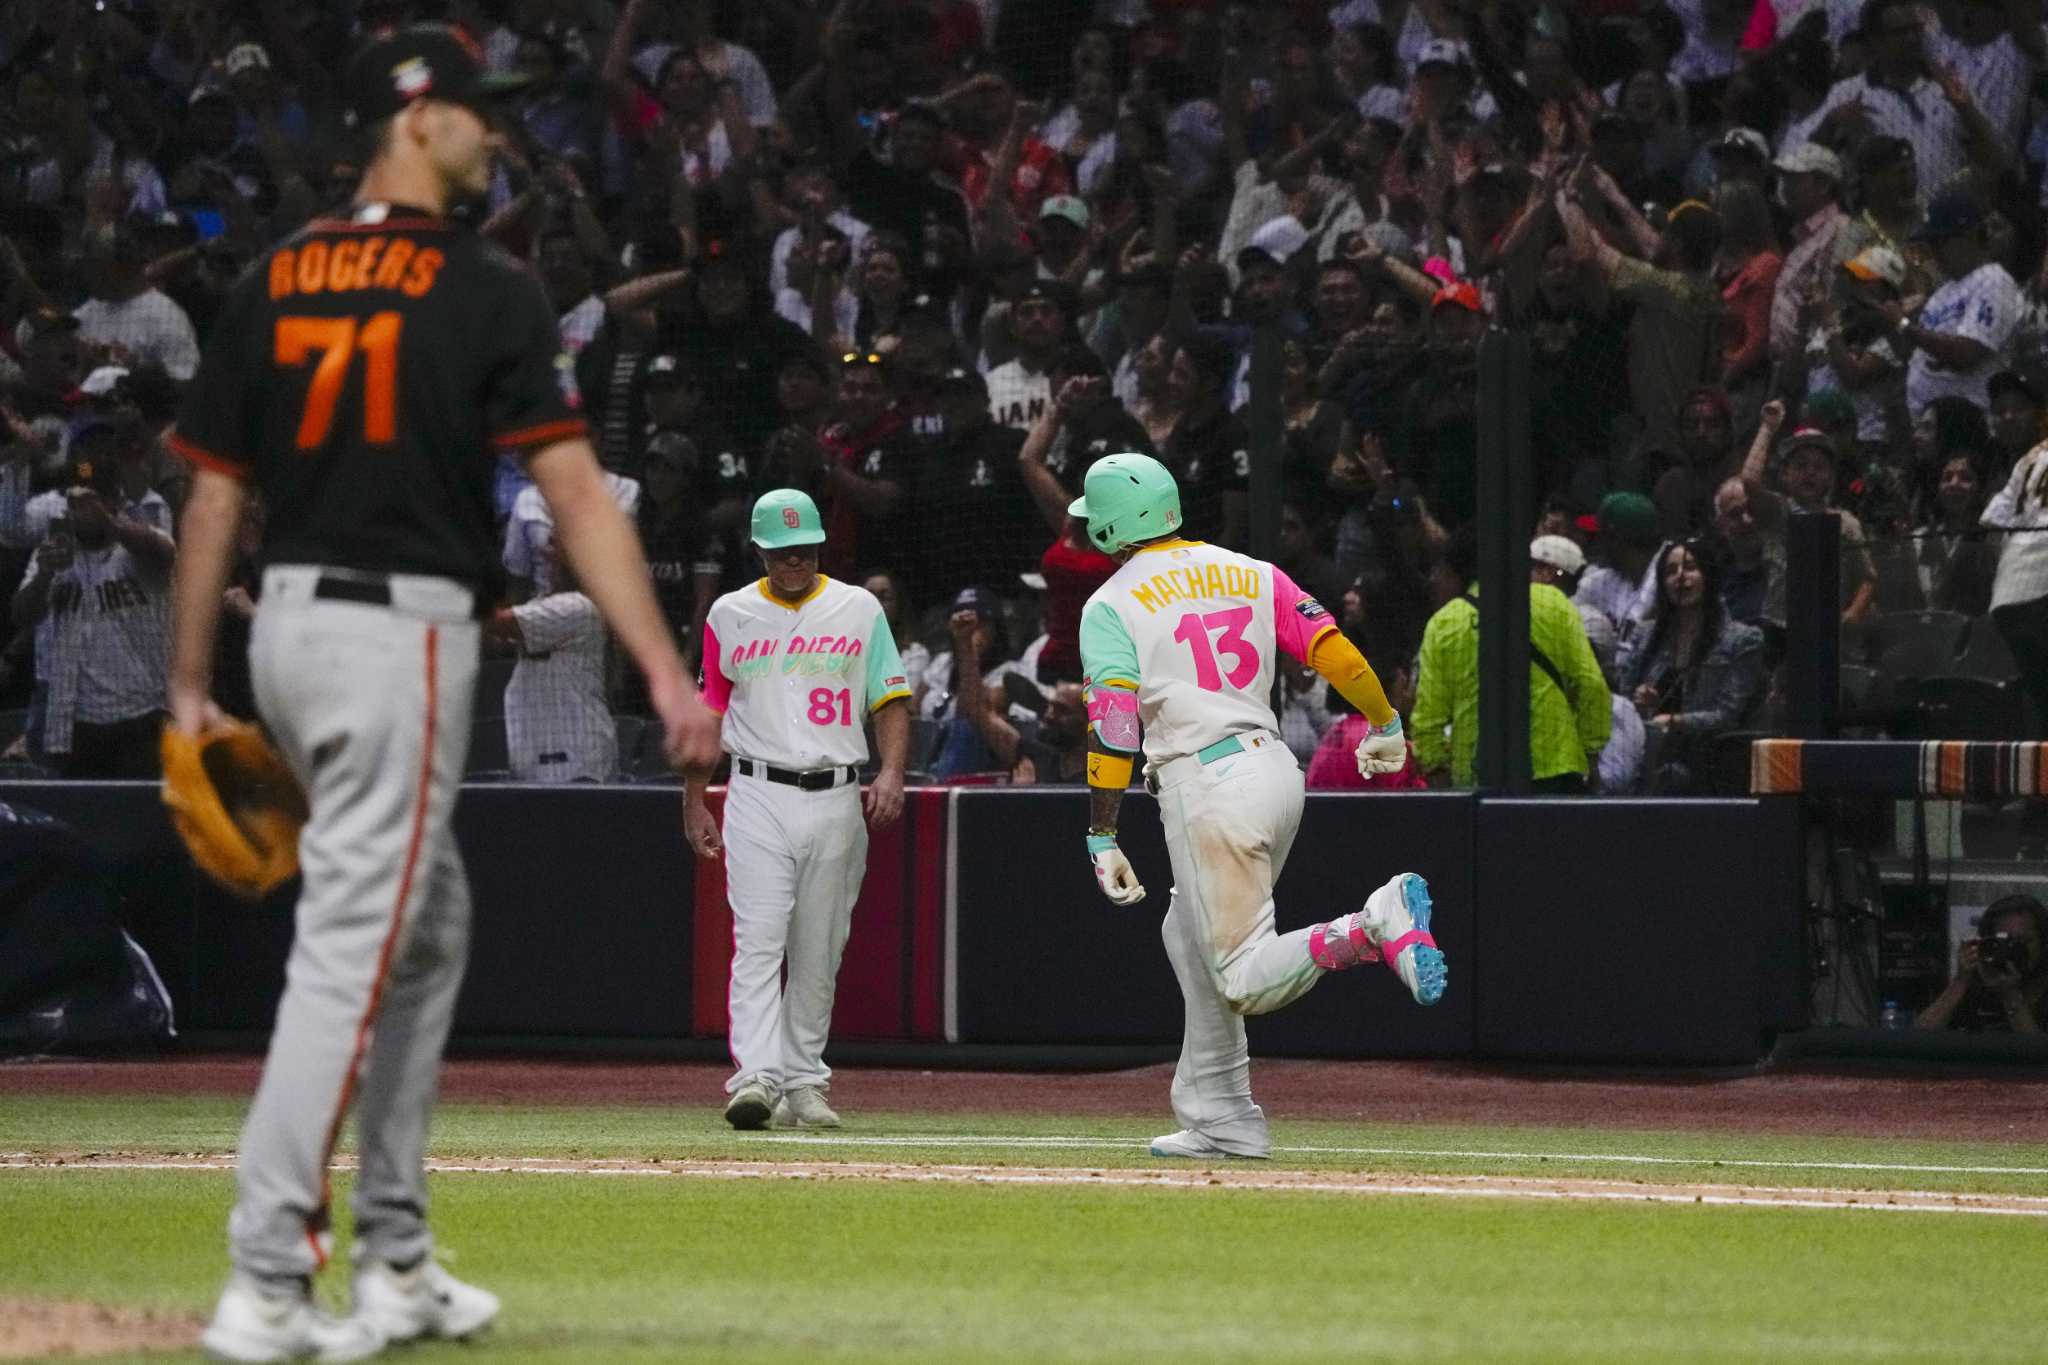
336 339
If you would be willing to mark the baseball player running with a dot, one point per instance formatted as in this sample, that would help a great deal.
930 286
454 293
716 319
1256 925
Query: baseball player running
796 662
1179 645
360 377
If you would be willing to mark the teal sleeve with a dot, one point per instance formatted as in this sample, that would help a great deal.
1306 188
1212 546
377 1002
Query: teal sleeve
886 679
1108 654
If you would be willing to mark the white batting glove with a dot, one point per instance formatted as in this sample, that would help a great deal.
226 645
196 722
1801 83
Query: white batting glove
1383 750
1113 871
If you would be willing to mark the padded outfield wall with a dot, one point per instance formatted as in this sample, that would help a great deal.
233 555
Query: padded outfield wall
1577 930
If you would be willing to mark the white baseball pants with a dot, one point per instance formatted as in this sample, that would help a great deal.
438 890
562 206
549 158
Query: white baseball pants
793 867
1229 826
371 708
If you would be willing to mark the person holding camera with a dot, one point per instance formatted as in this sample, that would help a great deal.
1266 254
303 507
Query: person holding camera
2001 976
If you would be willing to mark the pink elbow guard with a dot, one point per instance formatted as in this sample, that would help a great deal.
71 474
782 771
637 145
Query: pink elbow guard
1113 711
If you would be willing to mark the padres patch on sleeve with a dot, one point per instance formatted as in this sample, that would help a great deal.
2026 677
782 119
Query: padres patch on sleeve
1310 608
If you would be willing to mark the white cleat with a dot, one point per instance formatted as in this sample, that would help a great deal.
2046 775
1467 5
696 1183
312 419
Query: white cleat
1190 1145
805 1107
750 1106
252 1324
425 1301
1396 919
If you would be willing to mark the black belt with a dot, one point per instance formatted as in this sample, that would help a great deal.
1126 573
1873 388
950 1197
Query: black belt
816 780
374 590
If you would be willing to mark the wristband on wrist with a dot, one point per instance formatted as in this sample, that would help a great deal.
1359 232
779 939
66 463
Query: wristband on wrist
1100 842
1392 727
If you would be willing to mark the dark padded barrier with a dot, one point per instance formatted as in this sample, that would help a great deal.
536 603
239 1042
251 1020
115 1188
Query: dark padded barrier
1628 930
603 953
890 978
1041 957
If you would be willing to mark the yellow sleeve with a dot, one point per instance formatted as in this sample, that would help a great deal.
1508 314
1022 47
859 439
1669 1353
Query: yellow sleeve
1344 668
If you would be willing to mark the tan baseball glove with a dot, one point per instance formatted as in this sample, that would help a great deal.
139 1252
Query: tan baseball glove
236 805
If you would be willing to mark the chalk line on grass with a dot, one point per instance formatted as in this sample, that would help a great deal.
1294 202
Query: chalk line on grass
1197 1177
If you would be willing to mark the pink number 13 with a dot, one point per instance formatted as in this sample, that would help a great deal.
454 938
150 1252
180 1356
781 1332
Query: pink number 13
1194 633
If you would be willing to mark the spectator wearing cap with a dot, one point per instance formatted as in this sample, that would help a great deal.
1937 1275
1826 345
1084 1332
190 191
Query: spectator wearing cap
1672 336
210 163
1707 455
97 591
1960 337
1209 451
1810 183
904 194
1569 706
858 469
978 658
1435 439
1897 97
1020 391
731 334
1621 588
2016 412
1806 474
128 316
686 554
1855 346
1265 295
559 108
1062 241
264 101
1888 176
1084 422
1741 154
975 519
53 362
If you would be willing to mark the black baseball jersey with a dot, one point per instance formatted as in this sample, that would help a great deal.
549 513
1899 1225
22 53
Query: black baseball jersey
364 374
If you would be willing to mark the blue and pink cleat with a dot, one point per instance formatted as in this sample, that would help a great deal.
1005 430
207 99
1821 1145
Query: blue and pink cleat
1396 919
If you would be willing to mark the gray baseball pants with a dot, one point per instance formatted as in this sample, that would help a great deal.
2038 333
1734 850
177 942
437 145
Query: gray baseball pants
371 707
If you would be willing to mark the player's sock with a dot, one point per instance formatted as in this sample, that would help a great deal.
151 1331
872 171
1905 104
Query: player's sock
1341 943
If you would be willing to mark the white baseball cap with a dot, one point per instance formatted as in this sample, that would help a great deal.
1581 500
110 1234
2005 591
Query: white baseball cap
1743 140
1810 158
1278 238
1559 552
103 381
243 57
1443 52
1878 263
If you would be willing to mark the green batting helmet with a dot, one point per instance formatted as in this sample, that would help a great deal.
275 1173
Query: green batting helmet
786 516
1127 499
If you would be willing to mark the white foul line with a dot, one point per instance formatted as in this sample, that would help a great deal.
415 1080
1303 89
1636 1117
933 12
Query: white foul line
1447 1153
1181 1177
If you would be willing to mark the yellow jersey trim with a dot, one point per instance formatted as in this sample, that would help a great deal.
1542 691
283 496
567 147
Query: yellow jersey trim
810 596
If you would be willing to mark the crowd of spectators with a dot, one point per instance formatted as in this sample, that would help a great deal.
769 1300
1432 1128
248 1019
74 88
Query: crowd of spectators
927 259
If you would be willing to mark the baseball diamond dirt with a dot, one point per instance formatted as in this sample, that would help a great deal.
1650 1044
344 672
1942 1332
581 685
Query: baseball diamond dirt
1797 1100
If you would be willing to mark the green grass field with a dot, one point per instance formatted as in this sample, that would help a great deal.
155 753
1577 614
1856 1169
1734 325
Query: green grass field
645 1268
